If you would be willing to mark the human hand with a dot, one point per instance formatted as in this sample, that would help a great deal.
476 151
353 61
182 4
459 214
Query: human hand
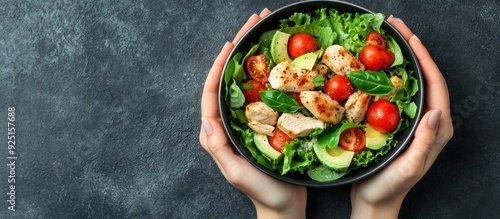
272 198
381 195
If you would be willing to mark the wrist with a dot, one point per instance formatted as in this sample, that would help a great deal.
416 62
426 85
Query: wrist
294 212
362 208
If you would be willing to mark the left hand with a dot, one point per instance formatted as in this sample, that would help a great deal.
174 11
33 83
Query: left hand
272 198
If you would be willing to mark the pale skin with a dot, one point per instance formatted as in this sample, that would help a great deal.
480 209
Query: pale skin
379 196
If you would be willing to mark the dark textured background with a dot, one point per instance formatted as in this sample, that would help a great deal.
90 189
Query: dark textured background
107 108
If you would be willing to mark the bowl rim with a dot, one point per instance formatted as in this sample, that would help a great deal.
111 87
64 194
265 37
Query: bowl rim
348 178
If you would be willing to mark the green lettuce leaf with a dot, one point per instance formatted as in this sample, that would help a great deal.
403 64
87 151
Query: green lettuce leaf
297 157
353 29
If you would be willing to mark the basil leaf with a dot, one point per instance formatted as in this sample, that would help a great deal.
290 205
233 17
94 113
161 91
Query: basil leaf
319 81
279 101
331 139
373 83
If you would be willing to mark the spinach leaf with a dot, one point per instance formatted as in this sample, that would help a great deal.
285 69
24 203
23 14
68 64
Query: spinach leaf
280 101
266 39
239 115
410 109
324 174
373 83
236 97
331 139
393 47
239 73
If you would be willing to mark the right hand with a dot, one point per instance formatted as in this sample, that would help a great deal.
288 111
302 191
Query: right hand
381 195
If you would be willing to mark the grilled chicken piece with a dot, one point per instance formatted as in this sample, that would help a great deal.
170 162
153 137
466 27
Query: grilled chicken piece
356 106
298 125
261 118
288 78
321 68
340 60
322 106
398 85
262 128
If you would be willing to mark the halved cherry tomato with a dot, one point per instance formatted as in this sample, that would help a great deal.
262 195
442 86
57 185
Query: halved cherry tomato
296 96
300 44
388 58
251 89
258 68
383 116
338 87
377 40
279 139
352 139
371 57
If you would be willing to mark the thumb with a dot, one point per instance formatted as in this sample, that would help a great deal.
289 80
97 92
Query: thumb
217 143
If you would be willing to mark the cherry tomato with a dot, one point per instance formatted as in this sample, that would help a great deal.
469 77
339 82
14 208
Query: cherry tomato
371 57
388 58
251 89
338 87
300 44
352 139
279 139
296 96
258 67
377 40
383 116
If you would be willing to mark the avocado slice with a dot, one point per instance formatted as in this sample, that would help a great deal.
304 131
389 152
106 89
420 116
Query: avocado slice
336 158
279 47
262 143
306 61
375 139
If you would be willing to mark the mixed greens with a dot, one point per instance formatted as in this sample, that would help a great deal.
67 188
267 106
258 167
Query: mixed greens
329 27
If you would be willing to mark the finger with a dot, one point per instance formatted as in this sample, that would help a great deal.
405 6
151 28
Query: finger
209 99
264 13
217 145
250 22
401 27
424 142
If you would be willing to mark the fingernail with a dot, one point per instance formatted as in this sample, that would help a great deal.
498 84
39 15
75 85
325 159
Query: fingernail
415 38
253 15
206 125
227 42
433 120
264 10
396 19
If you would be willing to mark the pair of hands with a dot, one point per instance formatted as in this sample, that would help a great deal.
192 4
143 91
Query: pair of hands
380 195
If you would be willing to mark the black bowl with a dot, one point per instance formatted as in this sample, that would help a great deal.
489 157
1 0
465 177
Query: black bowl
271 22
